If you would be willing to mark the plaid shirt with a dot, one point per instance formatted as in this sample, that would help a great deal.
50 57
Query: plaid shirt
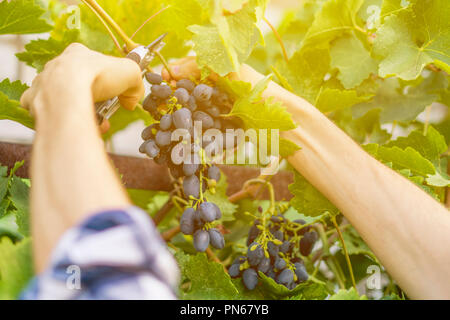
115 254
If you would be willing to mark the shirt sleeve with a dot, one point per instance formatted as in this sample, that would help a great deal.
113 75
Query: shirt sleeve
115 254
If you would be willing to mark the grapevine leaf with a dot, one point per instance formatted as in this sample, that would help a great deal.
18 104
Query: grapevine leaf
307 199
410 39
15 267
10 108
19 194
220 198
310 290
287 148
393 6
347 294
355 244
329 25
331 99
352 60
8 227
22 17
208 279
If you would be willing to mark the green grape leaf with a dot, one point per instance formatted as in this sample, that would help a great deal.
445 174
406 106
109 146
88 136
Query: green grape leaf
10 93
38 52
410 39
219 197
8 227
437 180
395 104
331 99
309 290
287 148
355 244
22 17
19 195
307 199
393 6
353 61
347 294
329 25
208 279
15 267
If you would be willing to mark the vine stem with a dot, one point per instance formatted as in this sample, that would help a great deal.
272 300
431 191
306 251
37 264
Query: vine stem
344 248
165 64
148 20
169 234
277 36
130 44
108 29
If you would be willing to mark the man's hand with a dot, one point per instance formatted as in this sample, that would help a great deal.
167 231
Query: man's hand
78 70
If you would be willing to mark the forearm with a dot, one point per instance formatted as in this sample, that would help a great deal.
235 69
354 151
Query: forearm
72 176
400 222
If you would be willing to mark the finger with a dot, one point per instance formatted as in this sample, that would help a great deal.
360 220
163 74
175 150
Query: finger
104 126
25 98
118 77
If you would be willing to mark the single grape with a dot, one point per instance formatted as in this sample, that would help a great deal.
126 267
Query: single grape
216 238
307 242
153 78
264 265
161 91
255 254
240 260
142 147
279 264
286 247
198 220
250 279
206 120
301 272
273 249
166 122
151 149
187 224
218 213
253 233
147 133
208 211
182 118
214 111
182 96
151 106
234 271
278 235
214 173
191 104
163 138
276 219
202 92
201 240
186 84
191 186
190 168
285 277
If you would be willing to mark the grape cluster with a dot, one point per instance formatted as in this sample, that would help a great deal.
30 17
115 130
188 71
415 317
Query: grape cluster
275 249
178 106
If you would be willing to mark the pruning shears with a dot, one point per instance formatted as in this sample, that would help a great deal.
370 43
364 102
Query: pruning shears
142 55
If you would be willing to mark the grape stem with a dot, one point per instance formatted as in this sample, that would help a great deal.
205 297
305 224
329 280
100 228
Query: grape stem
344 248
165 64
111 34
278 37
130 44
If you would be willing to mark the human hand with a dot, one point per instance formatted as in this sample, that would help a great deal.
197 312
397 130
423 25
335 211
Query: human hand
78 72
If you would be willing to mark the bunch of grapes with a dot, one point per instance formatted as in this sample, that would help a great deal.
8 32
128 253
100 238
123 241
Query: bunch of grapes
178 106
275 249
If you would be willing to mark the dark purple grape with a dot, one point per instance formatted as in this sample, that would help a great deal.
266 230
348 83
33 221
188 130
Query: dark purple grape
240 260
214 173
151 149
202 92
182 96
153 78
148 132
201 240
278 235
273 249
166 122
286 277
161 91
276 219
142 147
255 254
302 231
214 111
191 186
307 242
151 106
216 238
190 168
206 120
264 265
198 220
187 224
208 211
163 138
300 272
279 264
253 233
250 279
234 271
286 247
182 119
186 84
191 104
